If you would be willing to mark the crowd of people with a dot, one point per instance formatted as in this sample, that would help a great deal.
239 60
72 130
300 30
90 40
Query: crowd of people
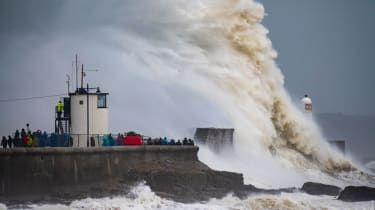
35 139
166 141
132 138
27 138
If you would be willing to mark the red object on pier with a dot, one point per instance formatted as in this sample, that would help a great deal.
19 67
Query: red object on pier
132 139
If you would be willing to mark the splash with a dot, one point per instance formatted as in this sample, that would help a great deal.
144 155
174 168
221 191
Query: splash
220 51
245 72
141 197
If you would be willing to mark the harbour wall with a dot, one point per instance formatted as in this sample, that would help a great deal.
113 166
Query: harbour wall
215 138
64 174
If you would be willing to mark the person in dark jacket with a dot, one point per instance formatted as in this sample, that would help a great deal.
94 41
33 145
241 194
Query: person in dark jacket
92 142
119 139
149 141
178 142
17 139
4 142
23 133
190 142
10 142
185 141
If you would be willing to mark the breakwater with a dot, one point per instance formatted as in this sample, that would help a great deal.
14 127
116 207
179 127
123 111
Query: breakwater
65 174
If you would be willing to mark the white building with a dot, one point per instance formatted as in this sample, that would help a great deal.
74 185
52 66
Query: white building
88 116
307 103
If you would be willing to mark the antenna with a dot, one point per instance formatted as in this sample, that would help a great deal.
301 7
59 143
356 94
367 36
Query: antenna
83 72
68 82
82 75
76 71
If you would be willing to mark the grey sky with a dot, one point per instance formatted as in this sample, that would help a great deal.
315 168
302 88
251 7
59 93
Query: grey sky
325 49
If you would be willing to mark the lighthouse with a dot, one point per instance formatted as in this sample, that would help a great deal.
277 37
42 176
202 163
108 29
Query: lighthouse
85 114
307 103
89 116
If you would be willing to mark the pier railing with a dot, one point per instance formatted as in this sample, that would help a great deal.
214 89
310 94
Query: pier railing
84 140
69 140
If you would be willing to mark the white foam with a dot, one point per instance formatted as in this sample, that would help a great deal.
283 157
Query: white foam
142 198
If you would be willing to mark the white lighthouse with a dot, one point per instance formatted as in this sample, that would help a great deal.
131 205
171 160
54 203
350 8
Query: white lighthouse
307 103
89 116
85 115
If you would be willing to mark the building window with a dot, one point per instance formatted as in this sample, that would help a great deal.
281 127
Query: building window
81 102
102 101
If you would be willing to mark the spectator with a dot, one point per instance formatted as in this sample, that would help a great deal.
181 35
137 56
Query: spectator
164 141
10 142
43 139
172 142
23 133
178 142
110 140
54 139
17 139
149 141
70 141
4 142
185 141
35 139
106 141
190 142
29 139
119 139
24 140
92 142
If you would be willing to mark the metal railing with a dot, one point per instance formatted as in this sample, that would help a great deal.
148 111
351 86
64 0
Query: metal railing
78 140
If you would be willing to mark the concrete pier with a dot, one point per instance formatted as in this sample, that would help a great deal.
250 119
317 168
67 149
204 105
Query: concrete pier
64 174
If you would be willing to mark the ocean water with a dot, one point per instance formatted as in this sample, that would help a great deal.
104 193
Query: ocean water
142 198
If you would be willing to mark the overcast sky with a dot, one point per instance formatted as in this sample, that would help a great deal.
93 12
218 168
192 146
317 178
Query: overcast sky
325 49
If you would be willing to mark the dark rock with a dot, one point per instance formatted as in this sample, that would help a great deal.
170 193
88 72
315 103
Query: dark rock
353 193
313 188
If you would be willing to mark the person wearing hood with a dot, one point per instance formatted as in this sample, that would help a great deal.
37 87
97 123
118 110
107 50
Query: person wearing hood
4 142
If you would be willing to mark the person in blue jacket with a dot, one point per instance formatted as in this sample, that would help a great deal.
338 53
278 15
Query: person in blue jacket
111 140
164 141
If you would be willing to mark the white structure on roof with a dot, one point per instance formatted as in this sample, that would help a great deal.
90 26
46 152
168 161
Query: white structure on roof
89 116
307 103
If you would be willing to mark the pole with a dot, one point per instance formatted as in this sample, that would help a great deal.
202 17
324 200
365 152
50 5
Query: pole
88 122
82 77
76 71
68 82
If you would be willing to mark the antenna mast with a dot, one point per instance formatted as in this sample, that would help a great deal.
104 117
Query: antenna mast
76 71
82 75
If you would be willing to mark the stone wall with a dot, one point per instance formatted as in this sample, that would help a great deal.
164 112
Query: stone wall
47 174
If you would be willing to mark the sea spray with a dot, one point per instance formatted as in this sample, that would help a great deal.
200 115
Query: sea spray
142 198
256 85
220 51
